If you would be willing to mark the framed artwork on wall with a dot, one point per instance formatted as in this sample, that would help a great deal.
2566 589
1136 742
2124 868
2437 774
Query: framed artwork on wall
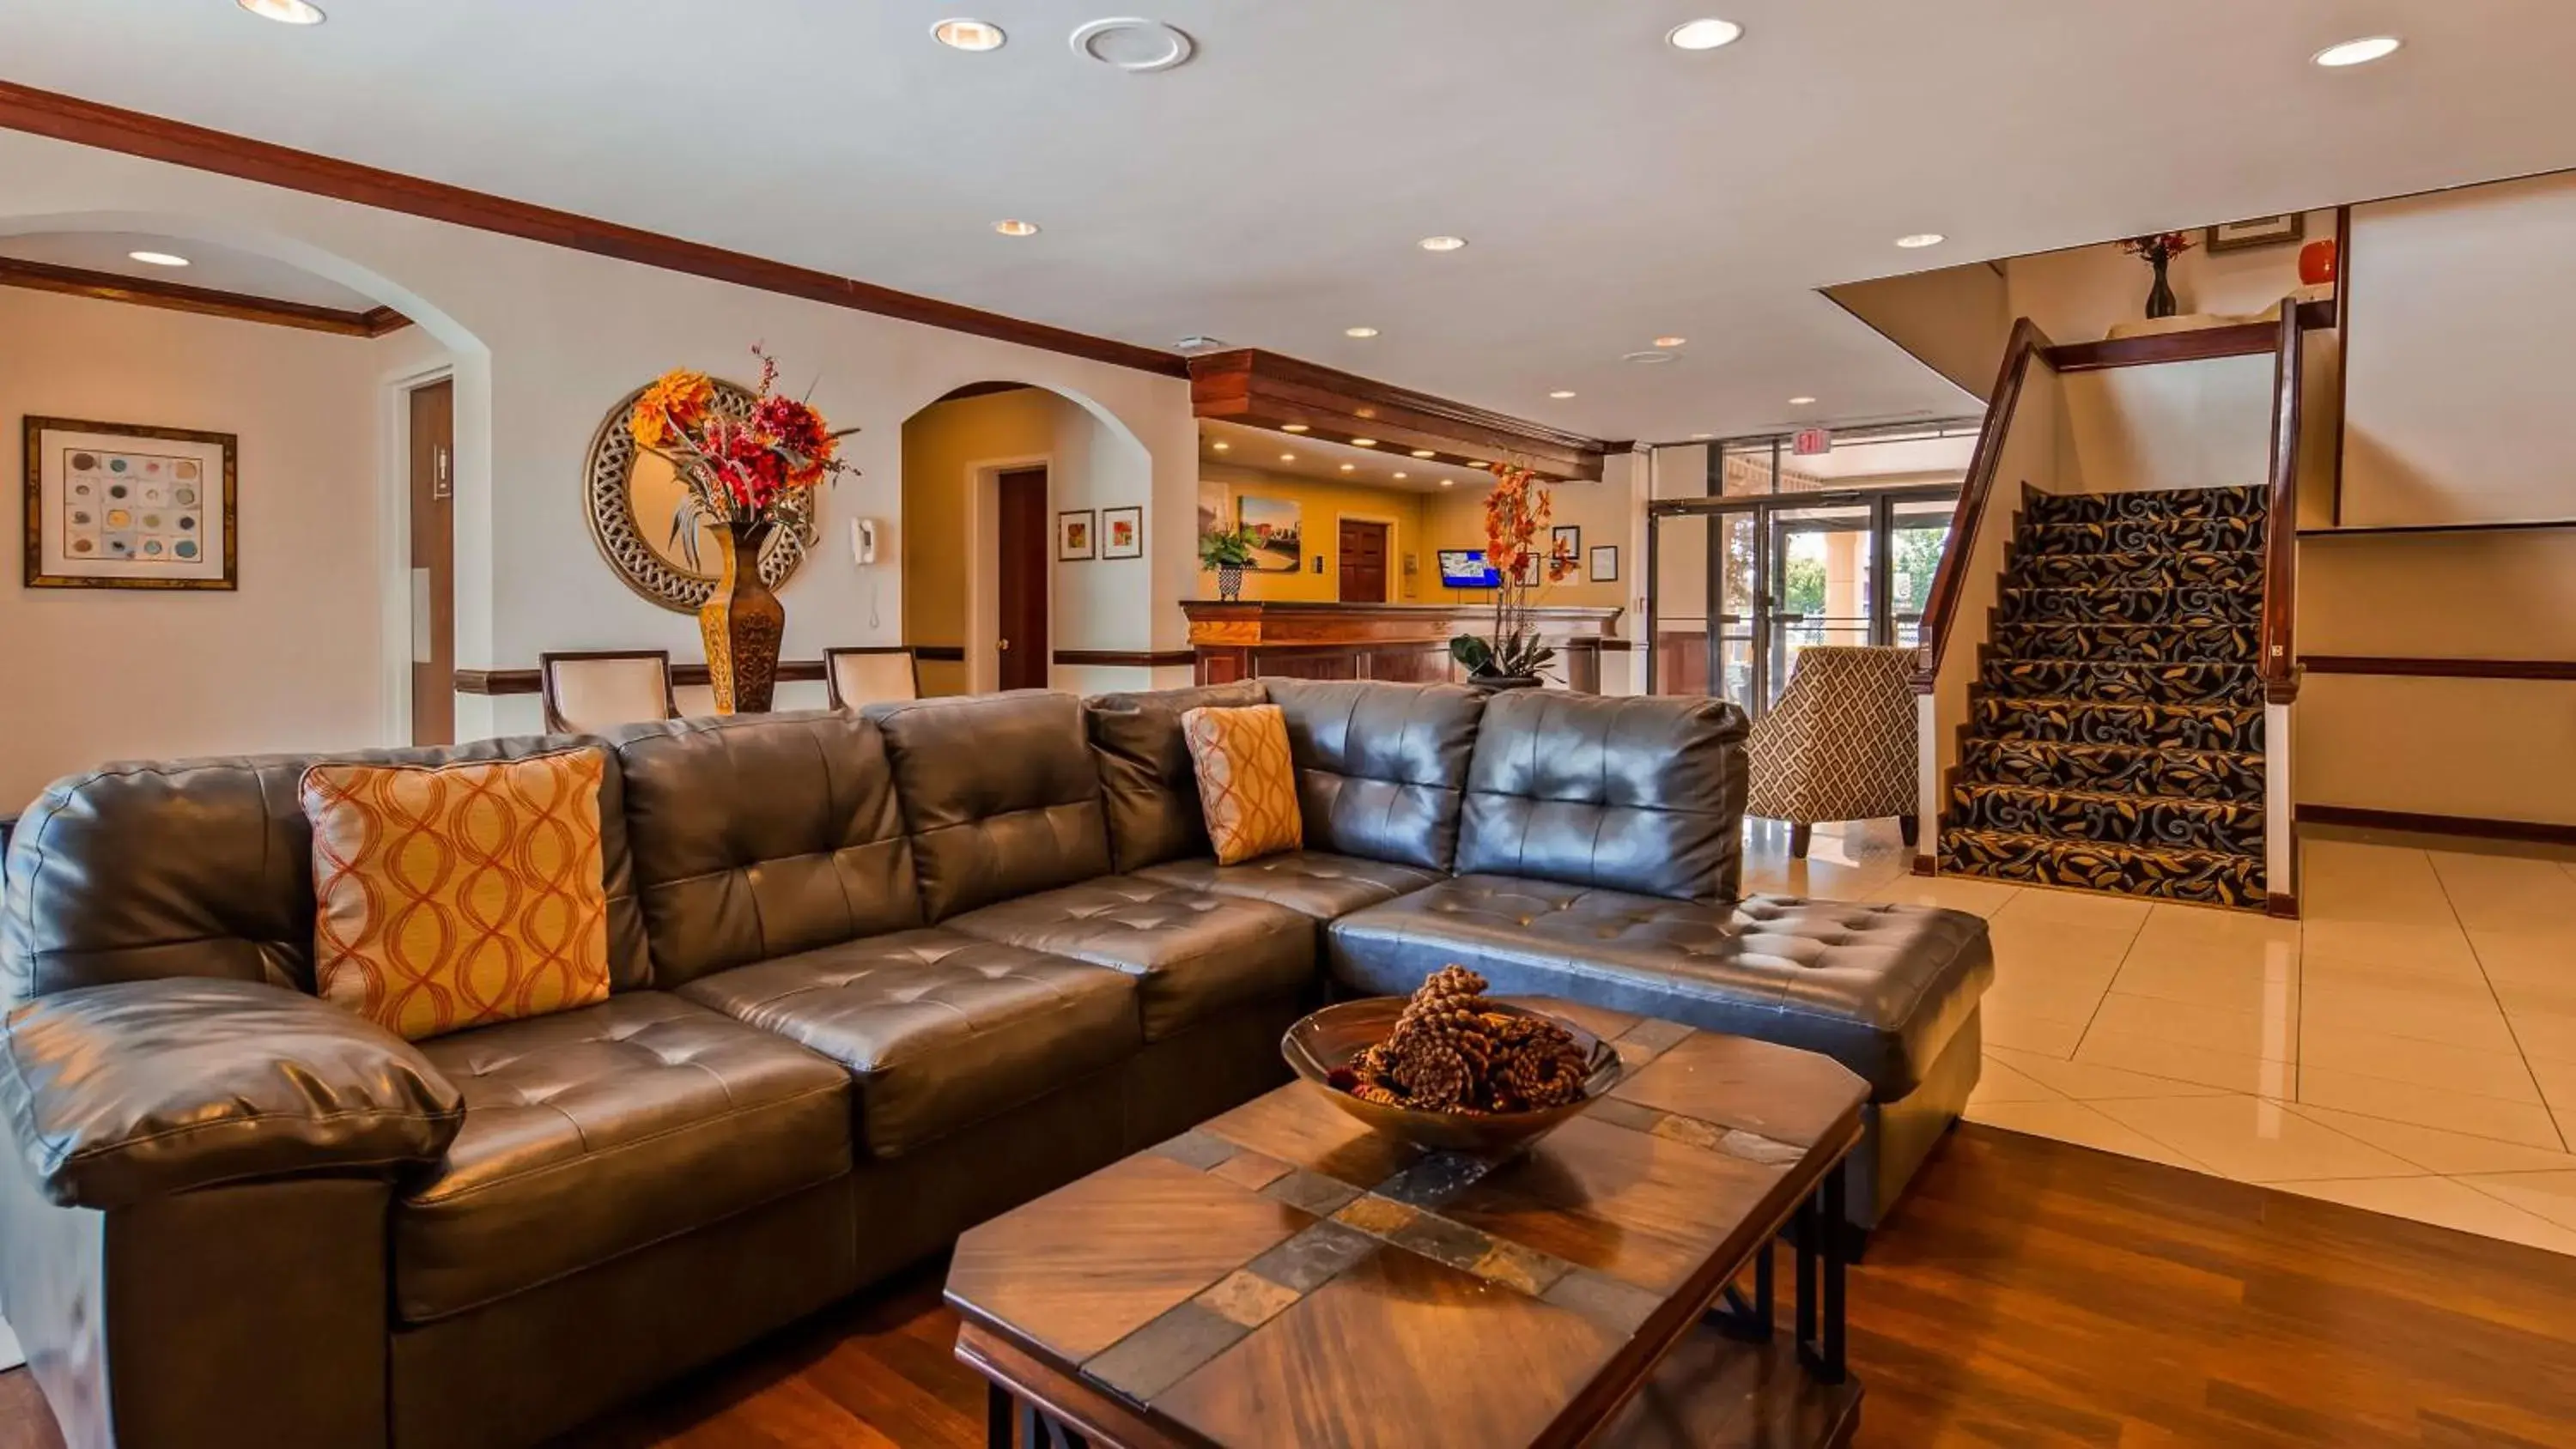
2262 231
1605 563
1122 532
1565 541
118 506
1073 540
1278 530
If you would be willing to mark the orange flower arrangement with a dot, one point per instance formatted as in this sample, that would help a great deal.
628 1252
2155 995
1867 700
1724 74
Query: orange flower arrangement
1515 512
746 469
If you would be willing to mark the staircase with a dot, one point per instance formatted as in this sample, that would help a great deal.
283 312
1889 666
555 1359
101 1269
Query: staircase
2115 729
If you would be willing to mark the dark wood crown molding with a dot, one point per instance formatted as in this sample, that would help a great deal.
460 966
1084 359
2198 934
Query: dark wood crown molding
1268 390
205 301
134 133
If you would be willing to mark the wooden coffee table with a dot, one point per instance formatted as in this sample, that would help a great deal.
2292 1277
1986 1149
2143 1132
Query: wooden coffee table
1285 1276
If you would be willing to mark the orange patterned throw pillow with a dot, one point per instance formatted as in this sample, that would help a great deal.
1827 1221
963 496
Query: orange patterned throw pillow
1247 787
461 895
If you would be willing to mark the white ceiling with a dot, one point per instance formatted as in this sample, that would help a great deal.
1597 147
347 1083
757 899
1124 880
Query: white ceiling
219 267
1271 191
1322 459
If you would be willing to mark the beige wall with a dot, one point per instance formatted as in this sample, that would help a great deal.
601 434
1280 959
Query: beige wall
292 660
548 340
2204 424
1958 320
1322 506
2077 294
2456 401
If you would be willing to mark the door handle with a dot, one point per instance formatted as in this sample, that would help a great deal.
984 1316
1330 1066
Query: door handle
1004 646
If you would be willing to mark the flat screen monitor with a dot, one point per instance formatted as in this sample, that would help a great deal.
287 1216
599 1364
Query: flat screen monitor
1465 568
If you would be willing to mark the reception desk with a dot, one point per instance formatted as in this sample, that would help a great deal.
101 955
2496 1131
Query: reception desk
1403 642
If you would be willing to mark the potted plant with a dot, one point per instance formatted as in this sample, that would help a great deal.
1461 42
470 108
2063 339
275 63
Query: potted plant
2158 252
747 472
1516 515
1229 552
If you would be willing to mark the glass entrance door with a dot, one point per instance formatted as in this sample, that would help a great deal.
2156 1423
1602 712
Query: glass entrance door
1738 586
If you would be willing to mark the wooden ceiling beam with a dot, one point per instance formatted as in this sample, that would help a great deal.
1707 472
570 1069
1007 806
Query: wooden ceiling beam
1267 390
205 301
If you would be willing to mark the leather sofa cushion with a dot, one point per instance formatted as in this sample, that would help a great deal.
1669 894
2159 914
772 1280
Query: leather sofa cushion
1878 988
599 1131
141 1089
939 1030
1146 784
1193 954
205 868
1380 767
1643 794
999 795
759 837
1309 882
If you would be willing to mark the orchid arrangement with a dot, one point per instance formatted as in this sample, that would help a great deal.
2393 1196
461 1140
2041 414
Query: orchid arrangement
1516 516
747 469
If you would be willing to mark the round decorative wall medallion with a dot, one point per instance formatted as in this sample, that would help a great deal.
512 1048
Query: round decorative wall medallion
632 498
1133 44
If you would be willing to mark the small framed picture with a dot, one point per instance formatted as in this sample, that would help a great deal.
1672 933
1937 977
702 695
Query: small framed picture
1073 538
116 506
1565 541
1529 570
1605 563
2262 231
1122 532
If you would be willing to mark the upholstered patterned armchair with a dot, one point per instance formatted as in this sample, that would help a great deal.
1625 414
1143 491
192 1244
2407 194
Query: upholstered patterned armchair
1840 743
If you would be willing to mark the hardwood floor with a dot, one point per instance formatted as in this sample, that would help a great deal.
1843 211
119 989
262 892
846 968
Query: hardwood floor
2027 1293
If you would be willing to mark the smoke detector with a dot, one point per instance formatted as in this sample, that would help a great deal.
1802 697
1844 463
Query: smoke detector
1650 356
1133 44
1194 344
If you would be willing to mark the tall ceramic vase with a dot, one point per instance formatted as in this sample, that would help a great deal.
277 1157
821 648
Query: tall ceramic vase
2160 299
743 622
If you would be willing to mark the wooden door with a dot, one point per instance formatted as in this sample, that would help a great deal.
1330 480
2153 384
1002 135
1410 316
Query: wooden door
433 564
1025 572
1363 547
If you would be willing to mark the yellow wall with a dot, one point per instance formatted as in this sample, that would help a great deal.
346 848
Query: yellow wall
1455 518
942 444
1323 506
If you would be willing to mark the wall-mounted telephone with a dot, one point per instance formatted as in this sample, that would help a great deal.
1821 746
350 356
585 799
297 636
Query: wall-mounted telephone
863 541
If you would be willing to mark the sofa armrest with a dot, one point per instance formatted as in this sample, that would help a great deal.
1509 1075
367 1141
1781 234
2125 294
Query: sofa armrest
141 1089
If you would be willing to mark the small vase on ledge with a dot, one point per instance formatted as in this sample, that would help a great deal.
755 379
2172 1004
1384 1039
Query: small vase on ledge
2160 298
743 623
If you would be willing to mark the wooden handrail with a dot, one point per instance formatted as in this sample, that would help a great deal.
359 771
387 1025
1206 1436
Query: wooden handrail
2281 533
1940 609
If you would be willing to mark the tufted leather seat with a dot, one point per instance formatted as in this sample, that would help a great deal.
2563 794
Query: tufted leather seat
939 1030
1193 954
1880 989
592 1133
1311 882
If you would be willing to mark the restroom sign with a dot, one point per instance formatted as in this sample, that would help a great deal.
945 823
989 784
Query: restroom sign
1812 442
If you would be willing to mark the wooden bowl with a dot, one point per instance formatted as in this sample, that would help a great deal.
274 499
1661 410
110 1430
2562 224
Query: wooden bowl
1330 1039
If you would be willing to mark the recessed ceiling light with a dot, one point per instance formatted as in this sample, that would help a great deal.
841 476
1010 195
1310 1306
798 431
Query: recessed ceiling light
1704 34
964 34
1702 437
1920 240
2358 52
1363 442
1447 482
1359 332
159 259
1015 227
1292 427
285 12
1443 243
1561 393
1799 402
1670 341
1221 447
1399 477
1423 453
1651 355
1287 457
1350 467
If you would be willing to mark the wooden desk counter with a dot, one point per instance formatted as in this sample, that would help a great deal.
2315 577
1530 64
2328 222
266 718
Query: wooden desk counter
1408 643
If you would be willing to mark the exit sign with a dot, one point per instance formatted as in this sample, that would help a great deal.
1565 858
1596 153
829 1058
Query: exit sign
1811 442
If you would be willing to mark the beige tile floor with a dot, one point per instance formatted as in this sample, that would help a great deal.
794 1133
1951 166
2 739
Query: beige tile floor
2408 1047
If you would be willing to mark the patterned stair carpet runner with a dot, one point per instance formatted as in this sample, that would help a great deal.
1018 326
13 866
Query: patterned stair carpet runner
2116 724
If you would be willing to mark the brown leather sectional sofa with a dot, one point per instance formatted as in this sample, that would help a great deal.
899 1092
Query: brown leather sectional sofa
877 978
